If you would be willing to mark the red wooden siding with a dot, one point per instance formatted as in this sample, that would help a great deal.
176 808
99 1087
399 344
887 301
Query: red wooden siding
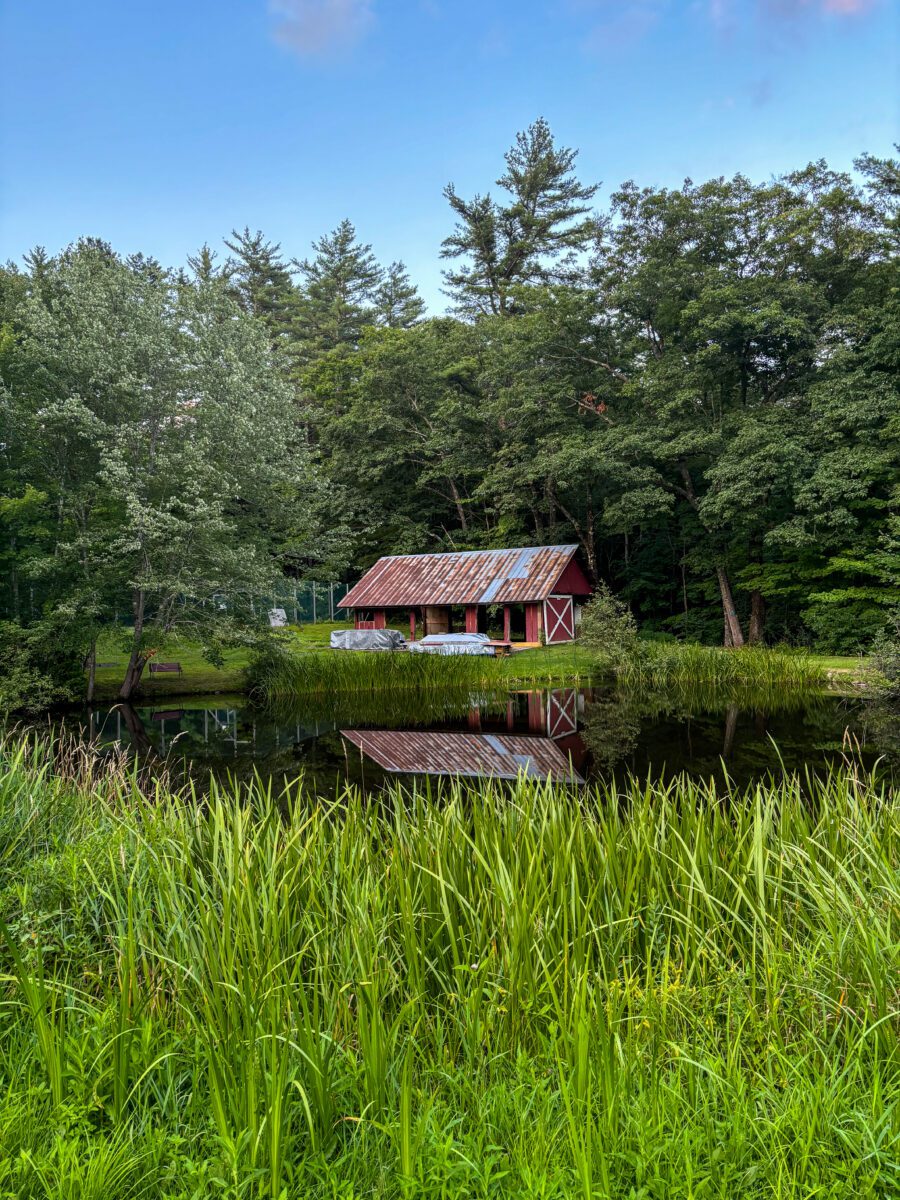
573 581
532 622
371 619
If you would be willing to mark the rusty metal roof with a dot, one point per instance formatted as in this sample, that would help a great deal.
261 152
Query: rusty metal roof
501 756
524 574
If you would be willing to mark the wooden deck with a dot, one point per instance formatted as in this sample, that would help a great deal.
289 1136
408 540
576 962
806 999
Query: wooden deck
513 647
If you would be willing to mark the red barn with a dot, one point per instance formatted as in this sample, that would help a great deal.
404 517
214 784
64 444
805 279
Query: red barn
534 590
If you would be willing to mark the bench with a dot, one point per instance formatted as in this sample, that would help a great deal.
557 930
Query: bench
165 669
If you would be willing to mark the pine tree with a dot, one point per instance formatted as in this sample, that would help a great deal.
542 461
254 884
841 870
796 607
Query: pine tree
261 280
203 265
532 239
337 293
397 300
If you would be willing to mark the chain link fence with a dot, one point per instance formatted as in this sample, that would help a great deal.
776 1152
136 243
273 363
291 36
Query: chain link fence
304 602
307 602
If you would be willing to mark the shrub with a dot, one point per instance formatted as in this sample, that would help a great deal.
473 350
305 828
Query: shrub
608 628
38 667
886 655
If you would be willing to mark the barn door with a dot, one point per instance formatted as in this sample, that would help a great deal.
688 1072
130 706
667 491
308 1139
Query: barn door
562 713
559 619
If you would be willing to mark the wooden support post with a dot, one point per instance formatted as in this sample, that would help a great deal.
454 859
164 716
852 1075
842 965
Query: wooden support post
471 618
506 623
412 624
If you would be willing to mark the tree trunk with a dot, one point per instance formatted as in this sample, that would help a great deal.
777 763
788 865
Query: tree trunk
757 618
684 594
732 624
133 673
460 511
733 634
135 726
92 669
138 659
585 532
590 542
14 580
731 720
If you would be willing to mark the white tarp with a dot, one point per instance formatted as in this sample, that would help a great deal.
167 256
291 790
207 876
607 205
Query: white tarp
367 639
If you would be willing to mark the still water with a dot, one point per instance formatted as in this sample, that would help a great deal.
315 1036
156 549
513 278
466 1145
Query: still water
576 734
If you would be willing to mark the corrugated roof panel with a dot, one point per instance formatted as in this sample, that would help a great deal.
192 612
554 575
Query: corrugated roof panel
500 756
514 576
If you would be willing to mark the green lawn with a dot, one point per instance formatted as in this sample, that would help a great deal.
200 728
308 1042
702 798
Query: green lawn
839 662
548 663
199 677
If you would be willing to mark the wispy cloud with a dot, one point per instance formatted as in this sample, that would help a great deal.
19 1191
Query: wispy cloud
320 28
790 10
617 23
613 23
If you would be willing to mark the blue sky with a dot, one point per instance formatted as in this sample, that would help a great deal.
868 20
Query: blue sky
160 125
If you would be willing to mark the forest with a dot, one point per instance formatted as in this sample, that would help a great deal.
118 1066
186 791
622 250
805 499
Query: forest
697 385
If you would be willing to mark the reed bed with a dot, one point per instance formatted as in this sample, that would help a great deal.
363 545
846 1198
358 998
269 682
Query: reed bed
673 666
407 707
357 672
680 665
653 991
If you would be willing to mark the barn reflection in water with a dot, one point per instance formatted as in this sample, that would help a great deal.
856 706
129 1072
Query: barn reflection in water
567 734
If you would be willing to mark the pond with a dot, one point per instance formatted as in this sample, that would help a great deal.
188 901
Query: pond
576 734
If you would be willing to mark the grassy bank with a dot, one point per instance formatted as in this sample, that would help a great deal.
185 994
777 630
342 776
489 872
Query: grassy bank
659 992
671 664
317 669
671 667
361 673
199 677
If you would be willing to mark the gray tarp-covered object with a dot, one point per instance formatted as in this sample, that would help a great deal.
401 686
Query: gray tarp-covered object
368 639
454 643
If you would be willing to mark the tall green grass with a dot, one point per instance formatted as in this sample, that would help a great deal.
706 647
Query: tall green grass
406 707
341 672
684 665
677 666
356 672
644 992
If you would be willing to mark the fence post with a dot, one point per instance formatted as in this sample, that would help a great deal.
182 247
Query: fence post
331 602
314 601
